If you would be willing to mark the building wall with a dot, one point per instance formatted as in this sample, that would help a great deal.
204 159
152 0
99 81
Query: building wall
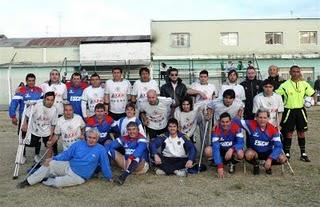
205 37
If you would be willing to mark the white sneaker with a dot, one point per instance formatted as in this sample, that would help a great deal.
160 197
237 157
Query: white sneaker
23 160
37 158
182 173
160 172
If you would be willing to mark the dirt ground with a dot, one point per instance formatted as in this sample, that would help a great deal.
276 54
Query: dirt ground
205 189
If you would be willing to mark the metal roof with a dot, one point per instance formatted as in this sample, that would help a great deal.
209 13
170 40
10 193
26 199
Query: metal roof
69 41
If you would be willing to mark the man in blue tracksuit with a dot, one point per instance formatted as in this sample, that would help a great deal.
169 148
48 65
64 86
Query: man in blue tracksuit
30 92
227 142
264 142
73 166
135 159
75 89
177 152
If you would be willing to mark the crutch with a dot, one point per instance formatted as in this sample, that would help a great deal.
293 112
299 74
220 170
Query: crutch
202 145
22 142
36 164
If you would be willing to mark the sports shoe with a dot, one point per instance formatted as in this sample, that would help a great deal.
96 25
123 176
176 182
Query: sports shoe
23 184
120 179
288 155
160 172
304 157
181 173
269 171
37 158
256 170
231 168
23 160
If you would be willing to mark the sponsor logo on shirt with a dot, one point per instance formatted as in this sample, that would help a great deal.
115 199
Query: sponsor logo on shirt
261 143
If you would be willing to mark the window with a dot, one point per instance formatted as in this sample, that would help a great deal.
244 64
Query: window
274 38
229 38
308 37
180 39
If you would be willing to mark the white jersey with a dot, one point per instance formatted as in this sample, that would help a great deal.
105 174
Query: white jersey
42 120
174 147
272 103
123 122
238 89
60 91
208 89
219 108
90 98
188 120
157 114
118 92
69 130
140 89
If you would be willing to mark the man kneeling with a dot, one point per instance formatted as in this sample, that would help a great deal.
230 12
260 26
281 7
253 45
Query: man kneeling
264 142
177 152
135 160
227 142
73 166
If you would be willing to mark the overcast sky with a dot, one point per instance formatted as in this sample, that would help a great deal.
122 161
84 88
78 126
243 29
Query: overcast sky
39 18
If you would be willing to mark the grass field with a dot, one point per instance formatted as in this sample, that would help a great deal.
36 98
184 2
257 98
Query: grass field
205 189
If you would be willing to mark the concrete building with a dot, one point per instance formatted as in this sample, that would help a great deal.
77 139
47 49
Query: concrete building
192 45
20 56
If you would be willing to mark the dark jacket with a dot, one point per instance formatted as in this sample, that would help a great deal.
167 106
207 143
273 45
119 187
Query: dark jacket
178 94
251 88
276 82
317 85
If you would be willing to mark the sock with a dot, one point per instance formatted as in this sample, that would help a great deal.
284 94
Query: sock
302 144
132 167
287 145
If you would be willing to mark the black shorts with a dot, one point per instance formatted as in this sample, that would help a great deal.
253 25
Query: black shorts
116 117
264 155
153 133
294 119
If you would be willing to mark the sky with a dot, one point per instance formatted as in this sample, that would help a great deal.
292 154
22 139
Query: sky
39 18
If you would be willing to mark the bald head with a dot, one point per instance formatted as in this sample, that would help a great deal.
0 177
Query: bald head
152 97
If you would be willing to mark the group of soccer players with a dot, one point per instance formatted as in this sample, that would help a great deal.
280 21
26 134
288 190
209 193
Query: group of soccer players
143 125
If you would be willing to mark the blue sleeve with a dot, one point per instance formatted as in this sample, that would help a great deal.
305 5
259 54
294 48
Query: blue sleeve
140 150
105 165
216 153
156 143
67 154
277 146
192 152
16 101
239 145
112 146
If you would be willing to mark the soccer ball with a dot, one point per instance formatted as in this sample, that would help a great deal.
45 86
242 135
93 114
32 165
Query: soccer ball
308 102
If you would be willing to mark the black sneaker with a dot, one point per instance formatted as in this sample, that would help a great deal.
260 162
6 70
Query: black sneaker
231 168
304 157
269 171
120 179
23 184
256 170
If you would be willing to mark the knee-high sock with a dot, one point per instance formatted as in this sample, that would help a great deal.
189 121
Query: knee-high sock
132 167
287 144
302 144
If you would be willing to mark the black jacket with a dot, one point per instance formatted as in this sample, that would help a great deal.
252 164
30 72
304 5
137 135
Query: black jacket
276 82
251 88
178 95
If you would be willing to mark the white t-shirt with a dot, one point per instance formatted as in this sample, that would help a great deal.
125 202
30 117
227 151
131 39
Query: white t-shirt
90 98
208 89
188 120
69 130
140 89
118 92
124 123
157 114
174 147
238 89
42 120
61 93
219 108
272 103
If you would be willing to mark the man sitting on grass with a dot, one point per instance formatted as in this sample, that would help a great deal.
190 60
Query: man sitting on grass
73 166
